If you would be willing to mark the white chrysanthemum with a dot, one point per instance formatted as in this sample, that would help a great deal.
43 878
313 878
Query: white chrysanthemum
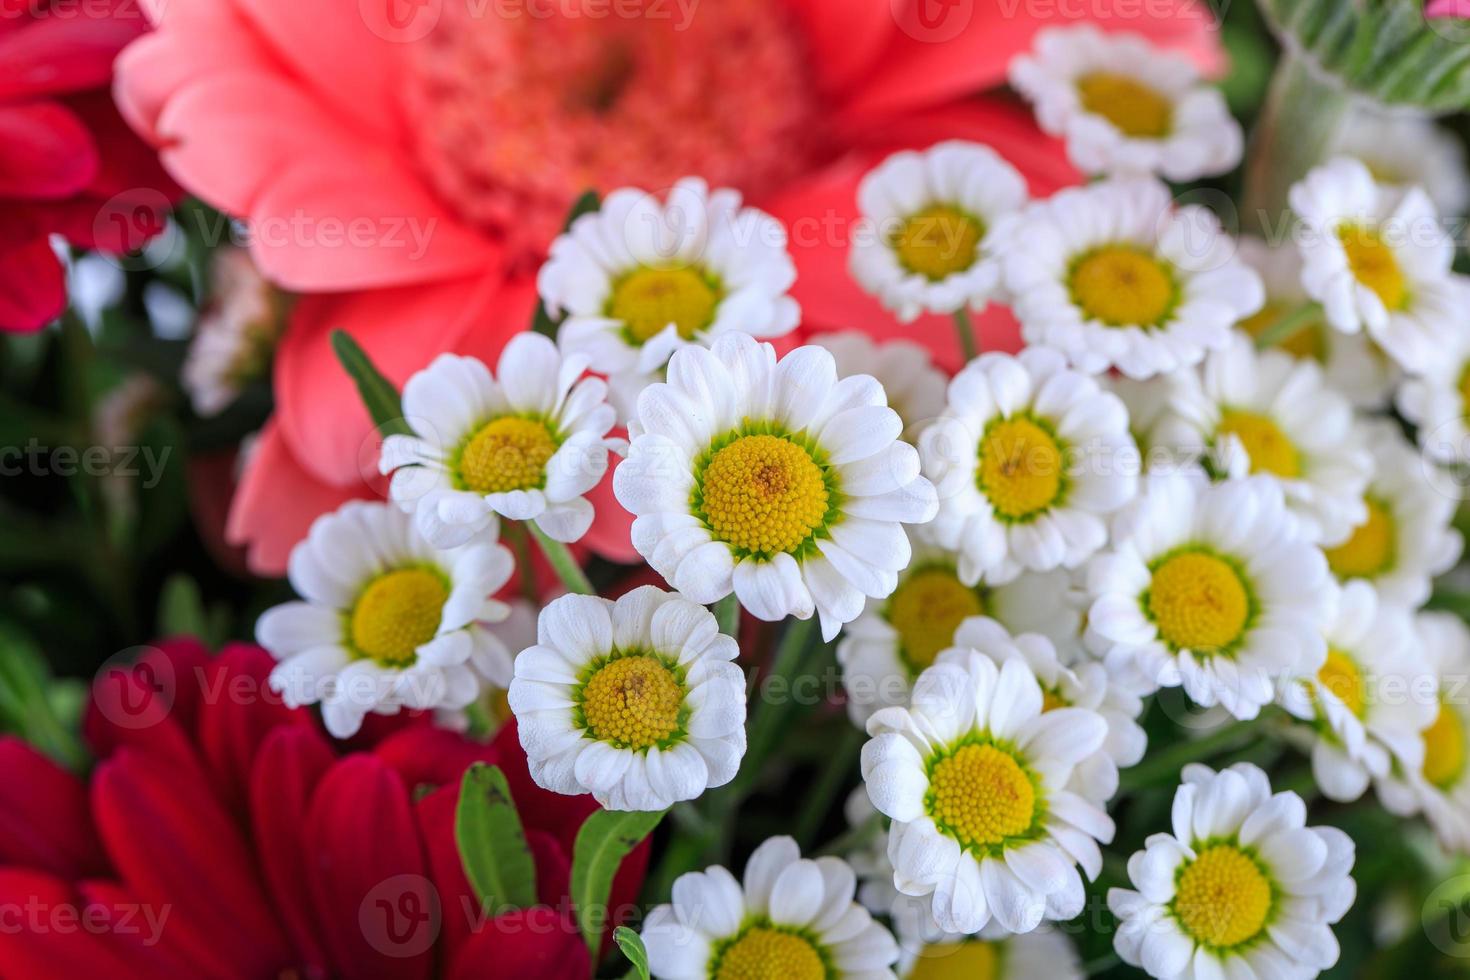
931 225
1270 414
1210 587
1125 106
915 387
884 649
974 776
1377 257
638 279
525 444
792 917
514 633
777 481
1028 459
236 333
637 701
1408 535
1439 787
1365 707
1407 149
1242 888
1114 276
388 621
1351 362
1437 401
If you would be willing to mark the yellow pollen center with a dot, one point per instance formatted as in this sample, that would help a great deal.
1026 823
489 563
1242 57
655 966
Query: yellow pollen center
1133 107
1444 748
1305 344
981 796
763 495
1121 285
1020 468
762 953
1465 389
1369 551
926 608
938 242
632 702
1341 677
974 960
1374 264
396 614
648 300
1267 446
1198 602
508 454
1052 700
1222 898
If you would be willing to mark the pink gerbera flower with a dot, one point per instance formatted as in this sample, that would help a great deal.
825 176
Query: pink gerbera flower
405 163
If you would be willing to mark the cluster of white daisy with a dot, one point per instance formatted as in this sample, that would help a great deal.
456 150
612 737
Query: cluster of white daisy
1179 482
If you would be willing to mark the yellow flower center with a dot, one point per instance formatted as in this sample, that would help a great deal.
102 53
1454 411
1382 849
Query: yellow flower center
1444 748
632 702
1198 602
938 242
1021 467
973 960
1122 285
1305 344
763 494
1267 446
1465 389
926 608
1374 264
648 300
1369 551
1341 677
396 614
508 454
1222 897
762 953
1133 107
981 796
1052 700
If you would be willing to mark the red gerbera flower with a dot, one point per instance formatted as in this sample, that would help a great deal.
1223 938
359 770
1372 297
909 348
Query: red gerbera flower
222 835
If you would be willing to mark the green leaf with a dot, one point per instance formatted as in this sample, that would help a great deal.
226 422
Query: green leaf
632 946
181 608
492 845
542 322
377 392
604 840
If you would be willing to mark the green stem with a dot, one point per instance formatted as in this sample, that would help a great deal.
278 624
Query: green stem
966 330
1101 964
727 614
520 546
561 562
834 775
1164 766
1289 325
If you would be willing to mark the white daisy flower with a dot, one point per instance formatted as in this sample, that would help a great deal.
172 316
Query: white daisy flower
1028 458
1114 276
1209 587
792 917
1268 413
1439 787
388 621
1407 149
508 637
895 639
1377 258
915 387
639 279
1364 706
1125 106
1242 887
777 481
927 952
974 777
236 333
638 701
1408 535
525 444
1437 401
931 224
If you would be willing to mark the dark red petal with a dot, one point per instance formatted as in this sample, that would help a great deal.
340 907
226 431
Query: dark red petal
173 844
140 928
427 756
553 868
66 53
461 912
45 152
43 936
288 767
151 705
378 910
127 163
45 821
539 942
32 287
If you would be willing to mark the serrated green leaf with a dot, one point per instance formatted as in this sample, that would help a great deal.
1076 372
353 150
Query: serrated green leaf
632 946
604 840
542 321
378 393
492 845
